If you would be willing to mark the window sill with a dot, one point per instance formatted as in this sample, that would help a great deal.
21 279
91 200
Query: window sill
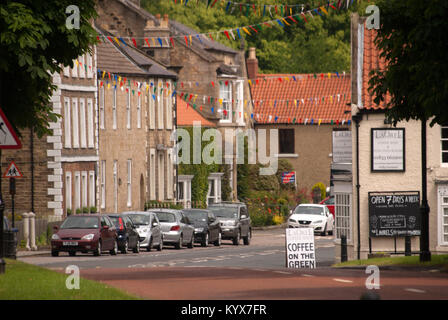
287 155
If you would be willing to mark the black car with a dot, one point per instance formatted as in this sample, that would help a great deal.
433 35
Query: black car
206 227
128 238
235 221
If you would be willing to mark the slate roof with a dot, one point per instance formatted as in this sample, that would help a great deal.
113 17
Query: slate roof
270 89
186 114
371 61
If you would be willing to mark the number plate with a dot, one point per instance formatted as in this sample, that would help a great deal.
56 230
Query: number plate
70 243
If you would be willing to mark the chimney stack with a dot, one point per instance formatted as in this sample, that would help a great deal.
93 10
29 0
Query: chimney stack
252 64
158 28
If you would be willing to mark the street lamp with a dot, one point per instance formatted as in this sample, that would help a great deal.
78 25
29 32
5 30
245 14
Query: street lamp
2 208
425 254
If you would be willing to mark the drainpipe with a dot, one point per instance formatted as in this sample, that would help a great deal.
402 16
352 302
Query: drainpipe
32 168
175 155
357 119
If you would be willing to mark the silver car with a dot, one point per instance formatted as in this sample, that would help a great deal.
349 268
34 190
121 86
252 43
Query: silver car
176 228
148 228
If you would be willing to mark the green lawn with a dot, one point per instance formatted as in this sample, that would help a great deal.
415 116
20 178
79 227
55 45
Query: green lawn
436 261
23 281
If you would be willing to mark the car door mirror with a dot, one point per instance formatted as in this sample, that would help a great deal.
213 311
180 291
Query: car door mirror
243 216
155 224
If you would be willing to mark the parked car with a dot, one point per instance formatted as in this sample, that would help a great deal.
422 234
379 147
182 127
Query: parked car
128 237
329 202
85 233
316 216
148 229
207 228
234 220
176 227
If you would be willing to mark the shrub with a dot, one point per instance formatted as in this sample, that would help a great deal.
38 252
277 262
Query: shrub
323 189
78 211
85 210
278 219
69 212
93 209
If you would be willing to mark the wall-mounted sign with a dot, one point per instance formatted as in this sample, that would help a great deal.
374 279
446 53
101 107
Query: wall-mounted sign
342 146
300 251
387 149
394 214
289 177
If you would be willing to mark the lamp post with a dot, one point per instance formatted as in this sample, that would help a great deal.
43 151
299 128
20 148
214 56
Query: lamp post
425 254
2 208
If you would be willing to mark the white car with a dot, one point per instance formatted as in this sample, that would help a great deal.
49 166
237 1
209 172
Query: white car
316 216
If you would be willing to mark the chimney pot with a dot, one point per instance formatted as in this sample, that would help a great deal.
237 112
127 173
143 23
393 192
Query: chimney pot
158 16
252 64
165 17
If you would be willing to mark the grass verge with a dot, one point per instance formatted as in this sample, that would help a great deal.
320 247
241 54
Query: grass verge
24 281
412 261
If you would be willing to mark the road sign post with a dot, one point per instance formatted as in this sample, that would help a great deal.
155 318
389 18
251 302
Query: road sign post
12 192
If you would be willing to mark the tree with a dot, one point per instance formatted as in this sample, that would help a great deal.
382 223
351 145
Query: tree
34 44
413 41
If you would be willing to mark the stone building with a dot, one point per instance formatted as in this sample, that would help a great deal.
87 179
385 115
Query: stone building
205 67
306 109
136 119
388 163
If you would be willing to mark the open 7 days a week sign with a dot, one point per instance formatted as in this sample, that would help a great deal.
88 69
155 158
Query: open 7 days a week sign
300 251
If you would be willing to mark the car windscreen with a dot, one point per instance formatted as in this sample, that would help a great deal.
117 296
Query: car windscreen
140 219
80 223
199 216
225 212
166 217
309 210
330 201
115 220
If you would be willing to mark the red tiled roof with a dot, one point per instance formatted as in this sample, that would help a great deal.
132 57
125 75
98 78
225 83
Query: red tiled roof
317 98
186 114
371 61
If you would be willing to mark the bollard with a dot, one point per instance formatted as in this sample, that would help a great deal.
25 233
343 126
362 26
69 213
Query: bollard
26 230
407 246
33 231
343 248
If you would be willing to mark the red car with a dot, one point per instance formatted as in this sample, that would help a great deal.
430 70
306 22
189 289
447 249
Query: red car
85 233
329 202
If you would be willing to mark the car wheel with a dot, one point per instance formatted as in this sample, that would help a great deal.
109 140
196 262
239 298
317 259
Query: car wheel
137 247
149 247
246 239
324 233
218 241
54 253
160 247
236 240
114 251
72 253
97 252
178 245
125 247
204 242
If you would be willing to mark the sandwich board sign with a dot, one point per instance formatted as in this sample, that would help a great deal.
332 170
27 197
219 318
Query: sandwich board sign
8 138
12 171
300 250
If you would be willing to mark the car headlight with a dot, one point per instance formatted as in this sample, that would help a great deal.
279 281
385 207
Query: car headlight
88 236
55 237
318 221
145 230
198 229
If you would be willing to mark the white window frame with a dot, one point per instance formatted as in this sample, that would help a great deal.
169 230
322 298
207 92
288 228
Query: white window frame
68 191
77 190
90 124
103 184
152 174
89 65
102 103
343 215
84 186
128 110
92 196
82 71
115 178
159 106
75 122
152 109
139 111
161 176
240 102
114 109
82 112
67 124
215 180
168 106
75 69
225 93
443 164
169 172
442 194
67 72
129 183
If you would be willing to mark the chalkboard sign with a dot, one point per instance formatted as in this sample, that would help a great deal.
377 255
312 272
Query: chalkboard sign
394 214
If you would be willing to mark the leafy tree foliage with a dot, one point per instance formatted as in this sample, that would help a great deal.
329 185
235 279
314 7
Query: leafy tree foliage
413 41
319 45
34 44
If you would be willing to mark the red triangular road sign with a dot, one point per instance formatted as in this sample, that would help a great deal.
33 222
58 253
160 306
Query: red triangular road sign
12 171
8 138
